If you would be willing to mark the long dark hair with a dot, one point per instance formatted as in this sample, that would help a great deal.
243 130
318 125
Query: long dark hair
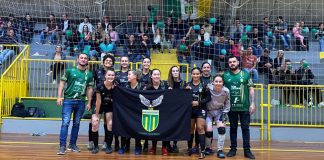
150 83
196 68
170 77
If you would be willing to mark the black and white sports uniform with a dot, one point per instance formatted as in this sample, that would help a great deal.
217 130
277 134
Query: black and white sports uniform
122 78
200 94
145 78
106 98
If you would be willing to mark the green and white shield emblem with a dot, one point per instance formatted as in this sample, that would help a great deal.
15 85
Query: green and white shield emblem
150 120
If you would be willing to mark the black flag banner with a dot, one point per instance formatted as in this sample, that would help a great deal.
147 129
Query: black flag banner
154 115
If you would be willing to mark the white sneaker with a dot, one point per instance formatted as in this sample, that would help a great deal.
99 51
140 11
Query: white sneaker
54 82
49 73
104 146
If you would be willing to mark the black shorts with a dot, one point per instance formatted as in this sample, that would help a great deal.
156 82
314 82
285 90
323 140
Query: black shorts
198 113
106 109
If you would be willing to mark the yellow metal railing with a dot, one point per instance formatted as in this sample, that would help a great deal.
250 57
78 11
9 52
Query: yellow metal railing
257 119
295 106
12 81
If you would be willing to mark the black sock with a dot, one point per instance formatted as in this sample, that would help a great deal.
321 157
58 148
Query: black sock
146 144
106 131
202 141
123 142
190 141
116 141
127 143
95 138
175 143
90 132
138 143
196 138
109 138
154 143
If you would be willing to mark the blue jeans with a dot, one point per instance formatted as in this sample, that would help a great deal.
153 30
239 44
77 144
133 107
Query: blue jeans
321 42
268 40
255 74
257 50
285 39
5 55
78 108
52 37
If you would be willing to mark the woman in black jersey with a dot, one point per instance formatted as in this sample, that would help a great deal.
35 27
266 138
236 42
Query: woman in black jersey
156 84
108 61
200 96
206 77
104 104
121 76
146 63
133 83
144 79
175 82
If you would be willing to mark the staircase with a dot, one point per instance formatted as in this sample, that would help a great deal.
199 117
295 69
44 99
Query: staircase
164 61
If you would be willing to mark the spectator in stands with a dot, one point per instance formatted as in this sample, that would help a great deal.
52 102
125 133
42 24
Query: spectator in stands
145 46
267 31
72 41
180 29
220 56
15 25
183 52
85 38
105 24
304 74
157 39
57 67
320 36
235 49
249 62
218 28
236 30
27 29
203 45
129 27
208 28
143 27
2 30
304 32
278 63
114 37
98 36
132 49
287 76
85 23
168 29
297 34
255 40
8 52
51 30
1 20
65 26
265 65
107 47
281 29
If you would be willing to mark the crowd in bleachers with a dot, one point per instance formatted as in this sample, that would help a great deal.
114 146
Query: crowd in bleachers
192 40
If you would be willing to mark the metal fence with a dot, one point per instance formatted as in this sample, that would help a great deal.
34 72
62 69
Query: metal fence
12 81
295 106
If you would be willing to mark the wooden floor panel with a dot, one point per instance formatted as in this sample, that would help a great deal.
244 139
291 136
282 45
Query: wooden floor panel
22 146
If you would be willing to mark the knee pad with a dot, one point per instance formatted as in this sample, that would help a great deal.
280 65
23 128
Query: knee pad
221 130
209 134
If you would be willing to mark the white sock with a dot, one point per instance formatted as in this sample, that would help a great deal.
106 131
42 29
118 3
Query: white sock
220 142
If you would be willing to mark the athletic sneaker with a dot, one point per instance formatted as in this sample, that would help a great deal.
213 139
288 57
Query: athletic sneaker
195 150
95 150
202 155
73 148
231 153
61 150
220 154
152 150
208 151
138 150
121 151
175 149
90 145
164 151
104 146
108 150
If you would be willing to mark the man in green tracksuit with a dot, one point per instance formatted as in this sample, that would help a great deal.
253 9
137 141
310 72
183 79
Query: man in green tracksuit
241 90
